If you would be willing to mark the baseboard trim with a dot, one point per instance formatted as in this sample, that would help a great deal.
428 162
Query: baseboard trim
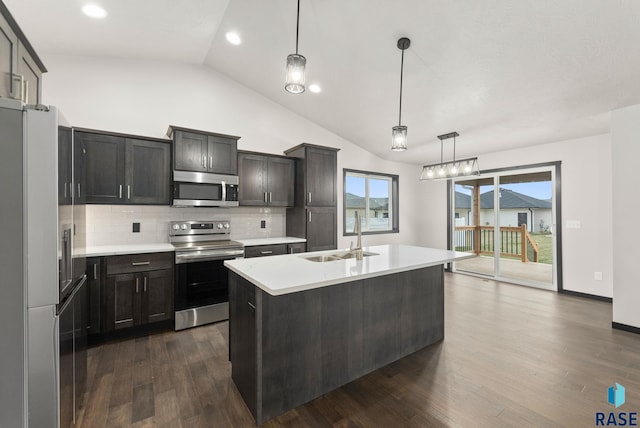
587 296
625 327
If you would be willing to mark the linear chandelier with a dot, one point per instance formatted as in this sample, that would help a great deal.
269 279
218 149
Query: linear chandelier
454 168
295 65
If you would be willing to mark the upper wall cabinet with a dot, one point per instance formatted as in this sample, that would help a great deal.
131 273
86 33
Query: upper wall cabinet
201 151
20 68
265 180
123 169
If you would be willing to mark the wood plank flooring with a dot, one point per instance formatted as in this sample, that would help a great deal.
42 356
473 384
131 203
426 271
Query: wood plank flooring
512 357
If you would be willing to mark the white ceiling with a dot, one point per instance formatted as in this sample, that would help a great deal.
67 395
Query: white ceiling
504 74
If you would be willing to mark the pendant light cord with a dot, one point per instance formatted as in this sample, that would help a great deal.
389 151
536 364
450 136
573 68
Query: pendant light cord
401 71
454 148
297 26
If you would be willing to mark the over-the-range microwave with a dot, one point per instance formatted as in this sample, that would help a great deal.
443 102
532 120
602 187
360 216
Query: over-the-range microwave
201 189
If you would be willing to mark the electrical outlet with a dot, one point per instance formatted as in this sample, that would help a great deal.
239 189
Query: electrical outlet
136 227
597 276
263 224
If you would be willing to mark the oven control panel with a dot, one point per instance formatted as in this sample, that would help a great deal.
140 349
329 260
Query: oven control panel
177 228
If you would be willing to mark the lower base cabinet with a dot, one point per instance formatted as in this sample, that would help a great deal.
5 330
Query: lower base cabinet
139 290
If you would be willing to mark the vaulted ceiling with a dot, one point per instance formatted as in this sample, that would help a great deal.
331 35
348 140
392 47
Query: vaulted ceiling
504 74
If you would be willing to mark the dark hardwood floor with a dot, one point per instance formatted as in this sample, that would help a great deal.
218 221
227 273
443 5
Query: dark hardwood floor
512 357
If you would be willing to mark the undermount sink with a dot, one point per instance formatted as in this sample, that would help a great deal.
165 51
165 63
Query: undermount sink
337 256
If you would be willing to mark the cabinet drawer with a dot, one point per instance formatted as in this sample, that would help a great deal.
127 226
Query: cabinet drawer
265 250
132 263
298 247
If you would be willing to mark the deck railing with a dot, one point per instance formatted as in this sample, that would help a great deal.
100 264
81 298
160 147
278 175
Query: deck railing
515 242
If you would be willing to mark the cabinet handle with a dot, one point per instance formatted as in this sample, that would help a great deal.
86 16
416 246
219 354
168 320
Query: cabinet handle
120 192
95 271
309 197
265 197
266 252
290 250
140 263
210 162
137 285
78 190
144 284
65 190
25 92
309 216
269 197
20 79
128 191
252 306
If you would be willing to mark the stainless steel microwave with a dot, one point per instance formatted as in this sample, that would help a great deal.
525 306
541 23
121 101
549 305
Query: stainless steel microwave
201 189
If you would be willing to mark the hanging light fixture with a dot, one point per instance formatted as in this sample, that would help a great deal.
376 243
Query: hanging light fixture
399 133
295 66
454 168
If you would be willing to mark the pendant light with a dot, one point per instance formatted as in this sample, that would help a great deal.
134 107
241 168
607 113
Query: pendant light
399 133
454 168
295 66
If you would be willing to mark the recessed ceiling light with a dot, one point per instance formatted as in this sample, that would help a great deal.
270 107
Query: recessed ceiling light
94 11
315 88
233 38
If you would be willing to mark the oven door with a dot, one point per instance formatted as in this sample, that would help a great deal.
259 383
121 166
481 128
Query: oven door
201 292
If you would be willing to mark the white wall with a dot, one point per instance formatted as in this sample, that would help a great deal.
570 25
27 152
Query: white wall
625 133
586 196
145 97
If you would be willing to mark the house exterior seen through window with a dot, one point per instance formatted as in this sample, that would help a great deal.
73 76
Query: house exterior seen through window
375 197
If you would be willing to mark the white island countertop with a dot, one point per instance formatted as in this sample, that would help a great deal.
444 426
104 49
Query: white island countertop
290 273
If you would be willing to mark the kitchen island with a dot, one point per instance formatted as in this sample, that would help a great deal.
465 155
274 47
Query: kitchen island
301 325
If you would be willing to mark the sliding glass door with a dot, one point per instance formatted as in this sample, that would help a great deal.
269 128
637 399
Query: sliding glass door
508 220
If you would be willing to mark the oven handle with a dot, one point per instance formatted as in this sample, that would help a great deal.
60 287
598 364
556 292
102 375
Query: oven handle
202 256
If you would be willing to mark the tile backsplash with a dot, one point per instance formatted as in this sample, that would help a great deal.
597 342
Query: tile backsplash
113 224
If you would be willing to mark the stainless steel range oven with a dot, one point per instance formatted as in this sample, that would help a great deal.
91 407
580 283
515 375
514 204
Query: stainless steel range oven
201 280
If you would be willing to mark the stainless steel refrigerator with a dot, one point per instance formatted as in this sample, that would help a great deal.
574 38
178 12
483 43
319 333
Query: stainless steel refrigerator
43 298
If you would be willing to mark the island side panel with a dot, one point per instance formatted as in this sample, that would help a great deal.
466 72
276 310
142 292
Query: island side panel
403 313
242 340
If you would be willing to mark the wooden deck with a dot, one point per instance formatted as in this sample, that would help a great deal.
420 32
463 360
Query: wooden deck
541 273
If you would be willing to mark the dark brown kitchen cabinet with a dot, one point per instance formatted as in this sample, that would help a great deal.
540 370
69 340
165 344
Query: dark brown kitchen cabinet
265 180
264 250
20 67
139 290
314 215
94 291
123 169
297 247
322 229
201 151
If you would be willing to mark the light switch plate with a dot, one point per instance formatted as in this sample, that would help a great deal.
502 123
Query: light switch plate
573 224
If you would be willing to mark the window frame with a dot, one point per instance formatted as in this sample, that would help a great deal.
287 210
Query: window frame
394 206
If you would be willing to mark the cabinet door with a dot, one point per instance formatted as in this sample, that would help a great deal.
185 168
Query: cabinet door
321 175
147 168
31 75
104 167
265 250
222 155
65 171
122 301
281 181
8 60
94 291
321 228
190 151
252 172
157 289
298 247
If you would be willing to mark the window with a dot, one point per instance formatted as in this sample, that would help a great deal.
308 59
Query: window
374 197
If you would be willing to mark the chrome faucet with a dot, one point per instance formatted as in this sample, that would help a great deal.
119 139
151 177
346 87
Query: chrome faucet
357 229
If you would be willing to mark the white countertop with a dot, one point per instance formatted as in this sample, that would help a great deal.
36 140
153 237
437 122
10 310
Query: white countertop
115 250
270 241
290 273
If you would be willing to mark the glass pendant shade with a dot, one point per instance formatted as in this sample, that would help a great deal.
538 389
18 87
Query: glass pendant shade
295 73
399 138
